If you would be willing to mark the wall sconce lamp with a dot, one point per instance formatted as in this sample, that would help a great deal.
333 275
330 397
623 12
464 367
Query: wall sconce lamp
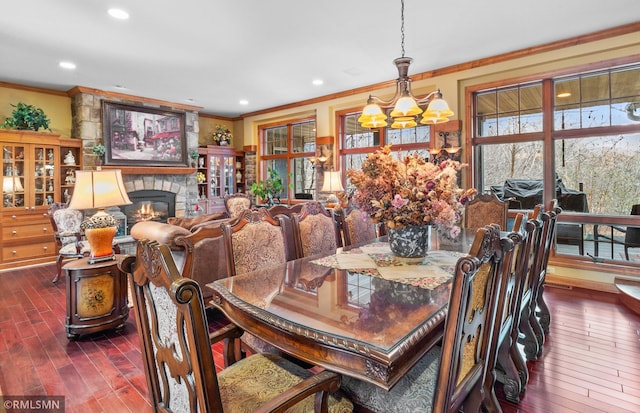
447 150
318 161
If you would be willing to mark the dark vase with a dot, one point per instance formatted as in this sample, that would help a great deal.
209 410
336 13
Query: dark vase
411 241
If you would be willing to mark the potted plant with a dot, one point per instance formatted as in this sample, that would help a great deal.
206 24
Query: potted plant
27 117
194 157
270 188
99 151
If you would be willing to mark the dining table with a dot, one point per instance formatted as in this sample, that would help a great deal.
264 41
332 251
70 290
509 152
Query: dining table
358 311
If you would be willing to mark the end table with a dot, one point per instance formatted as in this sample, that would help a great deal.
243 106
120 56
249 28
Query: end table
96 297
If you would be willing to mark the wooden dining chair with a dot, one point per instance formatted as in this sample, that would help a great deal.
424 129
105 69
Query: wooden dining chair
542 309
534 339
254 240
450 377
530 230
485 209
315 230
507 365
178 360
356 226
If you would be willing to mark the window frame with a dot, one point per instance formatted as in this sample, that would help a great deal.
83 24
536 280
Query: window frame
289 155
548 136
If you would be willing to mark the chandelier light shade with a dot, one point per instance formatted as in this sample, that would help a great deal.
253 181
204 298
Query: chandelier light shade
406 106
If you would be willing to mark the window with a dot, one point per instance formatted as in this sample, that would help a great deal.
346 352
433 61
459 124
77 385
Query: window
509 110
594 142
599 99
357 142
287 149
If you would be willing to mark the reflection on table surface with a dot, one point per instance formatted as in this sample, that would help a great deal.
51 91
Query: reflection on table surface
330 306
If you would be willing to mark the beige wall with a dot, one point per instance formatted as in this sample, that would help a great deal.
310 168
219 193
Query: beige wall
57 107
208 126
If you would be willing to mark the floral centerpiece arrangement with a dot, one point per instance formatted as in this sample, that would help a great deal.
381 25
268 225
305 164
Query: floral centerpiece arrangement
222 135
410 192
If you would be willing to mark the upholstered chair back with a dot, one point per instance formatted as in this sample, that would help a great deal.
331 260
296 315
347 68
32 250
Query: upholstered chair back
236 203
356 226
254 240
283 213
67 224
70 242
485 209
315 230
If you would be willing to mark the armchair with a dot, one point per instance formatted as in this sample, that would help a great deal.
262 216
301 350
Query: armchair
70 242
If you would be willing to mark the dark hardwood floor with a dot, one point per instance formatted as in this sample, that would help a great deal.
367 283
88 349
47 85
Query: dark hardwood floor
591 360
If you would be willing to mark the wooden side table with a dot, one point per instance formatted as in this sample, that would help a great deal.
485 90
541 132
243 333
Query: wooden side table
96 297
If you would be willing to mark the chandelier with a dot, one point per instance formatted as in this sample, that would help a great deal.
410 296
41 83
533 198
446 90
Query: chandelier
406 106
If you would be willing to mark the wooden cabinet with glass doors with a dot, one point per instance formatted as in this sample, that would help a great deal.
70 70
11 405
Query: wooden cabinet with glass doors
30 184
220 172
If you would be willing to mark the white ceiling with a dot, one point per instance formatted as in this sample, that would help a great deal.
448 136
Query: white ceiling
268 52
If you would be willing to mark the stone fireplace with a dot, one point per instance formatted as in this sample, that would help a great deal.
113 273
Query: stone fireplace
87 125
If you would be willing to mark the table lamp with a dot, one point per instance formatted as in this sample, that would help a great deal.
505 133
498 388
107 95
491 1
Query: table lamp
99 190
11 185
332 183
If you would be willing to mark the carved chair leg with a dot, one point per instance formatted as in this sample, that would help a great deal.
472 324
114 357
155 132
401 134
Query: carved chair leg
543 311
528 336
58 269
519 363
508 374
539 332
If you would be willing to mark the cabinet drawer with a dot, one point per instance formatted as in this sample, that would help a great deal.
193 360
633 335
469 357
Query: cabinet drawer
15 232
21 252
22 218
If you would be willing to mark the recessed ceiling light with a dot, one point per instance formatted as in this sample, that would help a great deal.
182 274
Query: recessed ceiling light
563 94
244 102
67 65
118 14
317 82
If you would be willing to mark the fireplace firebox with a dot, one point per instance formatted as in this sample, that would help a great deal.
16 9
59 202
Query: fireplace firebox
149 205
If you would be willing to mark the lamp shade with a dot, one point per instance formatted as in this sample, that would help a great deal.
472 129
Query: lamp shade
405 106
332 182
438 109
372 113
99 189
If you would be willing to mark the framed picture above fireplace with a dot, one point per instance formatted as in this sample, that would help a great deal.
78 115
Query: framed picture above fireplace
142 136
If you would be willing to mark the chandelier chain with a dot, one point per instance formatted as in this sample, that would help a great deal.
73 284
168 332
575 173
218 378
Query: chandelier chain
402 26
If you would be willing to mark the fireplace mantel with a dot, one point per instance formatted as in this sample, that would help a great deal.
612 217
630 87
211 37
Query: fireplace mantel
153 170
